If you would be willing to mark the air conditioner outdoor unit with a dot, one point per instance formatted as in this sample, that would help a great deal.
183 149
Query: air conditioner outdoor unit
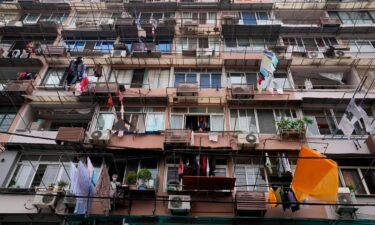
346 197
179 204
342 54
100 137
118 53
44 199
315 55
248 140
14 23
204 52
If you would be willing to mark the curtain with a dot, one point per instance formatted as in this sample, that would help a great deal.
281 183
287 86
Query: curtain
50 175
155 121
176 121
24 176
266 121
217 123
122 77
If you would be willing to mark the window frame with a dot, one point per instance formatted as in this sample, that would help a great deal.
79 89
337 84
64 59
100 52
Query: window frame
206 113
56 70
5 116
360 174
198 75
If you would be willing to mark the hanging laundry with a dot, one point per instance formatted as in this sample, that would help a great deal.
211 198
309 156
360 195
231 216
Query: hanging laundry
110 100
267 163
286 164
278 194
92 174
103 188
192 138
272 197
203 168
180 170
317 178
285 199
213 137
84 83
73 178
280 168
346 126
98 71
82 189
197 165
366 119
212 166
294 205
353 109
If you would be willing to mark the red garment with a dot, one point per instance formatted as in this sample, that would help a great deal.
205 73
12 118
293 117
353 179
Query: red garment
203 171
260 79
180 168
84 83
110 100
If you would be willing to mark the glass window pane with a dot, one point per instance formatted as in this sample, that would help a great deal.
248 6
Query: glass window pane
217 123
105 121
351 177
177 121
179 78
155 122
216 80
266 121
191 78
205 80
249 18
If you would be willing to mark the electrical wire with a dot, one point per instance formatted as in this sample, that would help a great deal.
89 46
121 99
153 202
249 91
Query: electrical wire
164 199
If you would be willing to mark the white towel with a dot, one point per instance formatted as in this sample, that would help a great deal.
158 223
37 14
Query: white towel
213 137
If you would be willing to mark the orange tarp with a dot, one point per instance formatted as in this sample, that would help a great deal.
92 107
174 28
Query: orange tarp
315 177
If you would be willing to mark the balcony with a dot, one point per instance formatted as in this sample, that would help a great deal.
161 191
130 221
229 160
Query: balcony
101 88
177 136
242 91
203 183
145 50
330 21
20 87
187 89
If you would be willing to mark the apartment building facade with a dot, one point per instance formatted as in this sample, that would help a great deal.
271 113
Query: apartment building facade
153 85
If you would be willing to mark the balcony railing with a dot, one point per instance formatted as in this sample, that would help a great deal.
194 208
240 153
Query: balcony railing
242 91
102 87
330 21
145 50
251 203
187 89
177 136
21 87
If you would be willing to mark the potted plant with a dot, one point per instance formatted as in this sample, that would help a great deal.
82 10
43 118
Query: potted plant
144 175
131 179
61 185
293 128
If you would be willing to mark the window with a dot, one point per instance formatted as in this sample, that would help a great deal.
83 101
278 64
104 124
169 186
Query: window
202 18
243 120
359 17
362 46
145 163
6 119
250 176
281 80
247 44
54 77
140 78
266 121
75 46
5 17
192 43
198 118
242 78
147 119
105 121
361 179
171 171
249 18
36 171
206 78
31 18
104 46
58 18
300 44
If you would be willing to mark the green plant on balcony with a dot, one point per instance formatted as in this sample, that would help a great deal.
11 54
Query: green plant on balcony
61 185
144 175
131 179
293 128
